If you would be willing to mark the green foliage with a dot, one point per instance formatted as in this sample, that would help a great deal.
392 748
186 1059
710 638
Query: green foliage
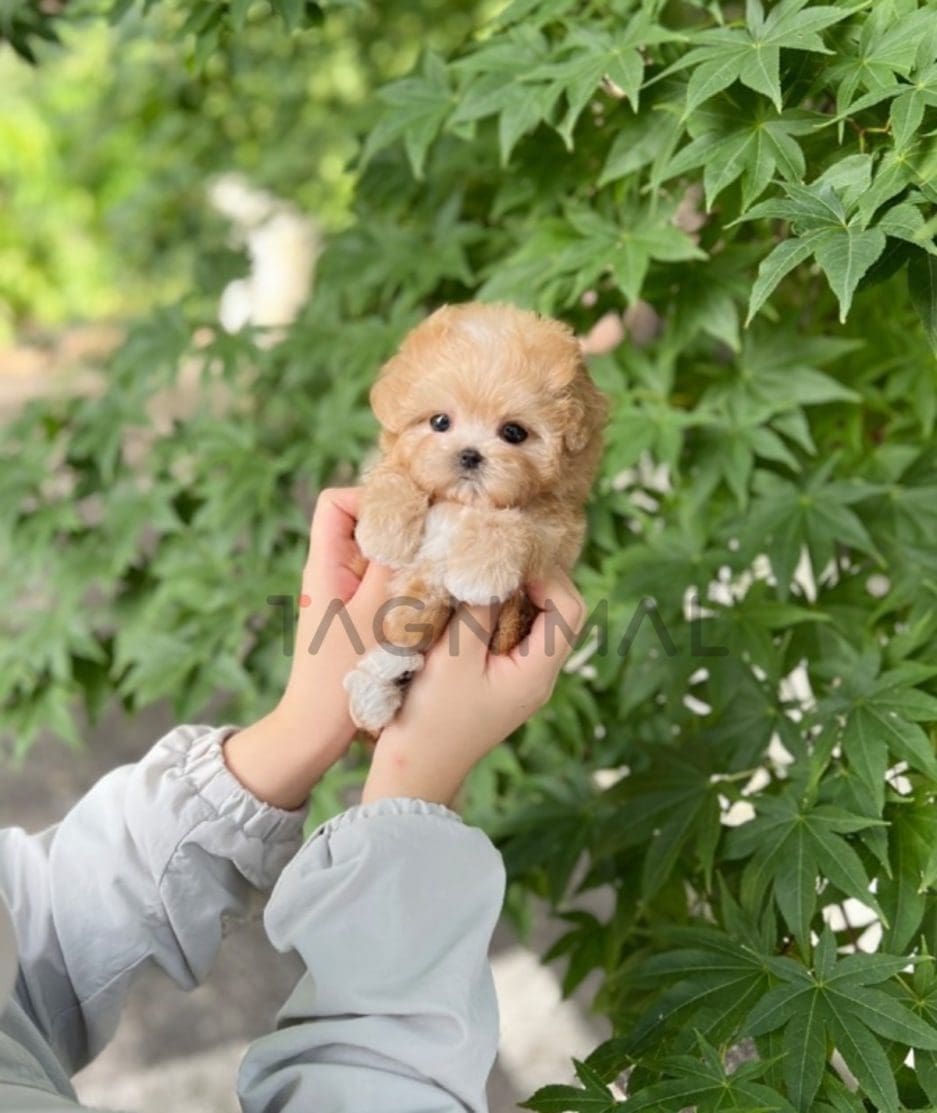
723 163
22 24
107 149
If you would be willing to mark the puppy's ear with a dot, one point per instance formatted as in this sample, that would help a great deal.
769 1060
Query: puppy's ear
391 392
586 409
387 396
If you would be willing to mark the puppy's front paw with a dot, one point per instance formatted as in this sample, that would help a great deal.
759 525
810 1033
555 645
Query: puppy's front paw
482 580
380 541
377 686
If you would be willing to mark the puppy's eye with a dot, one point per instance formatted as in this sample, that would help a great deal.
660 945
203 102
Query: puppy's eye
439 423
512 433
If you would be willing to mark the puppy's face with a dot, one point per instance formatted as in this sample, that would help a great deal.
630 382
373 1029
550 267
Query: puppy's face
488 405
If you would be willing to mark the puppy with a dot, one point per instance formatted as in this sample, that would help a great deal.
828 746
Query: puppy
491 435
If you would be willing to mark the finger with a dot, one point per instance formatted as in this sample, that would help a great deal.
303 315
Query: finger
365 606
334 563
557 627
470 630
557 593
334 519
349 619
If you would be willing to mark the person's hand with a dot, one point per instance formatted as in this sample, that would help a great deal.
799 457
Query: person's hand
280 758
467 700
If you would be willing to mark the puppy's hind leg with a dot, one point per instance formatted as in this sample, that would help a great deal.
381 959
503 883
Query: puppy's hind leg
416 615
515 619
375 687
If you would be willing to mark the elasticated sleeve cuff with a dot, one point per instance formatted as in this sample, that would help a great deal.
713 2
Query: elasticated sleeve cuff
258 838
149 867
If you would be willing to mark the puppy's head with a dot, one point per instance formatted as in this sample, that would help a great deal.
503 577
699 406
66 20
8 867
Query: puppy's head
490 405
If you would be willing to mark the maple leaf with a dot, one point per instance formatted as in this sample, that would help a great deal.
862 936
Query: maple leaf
751 53
881 714
786 516
790 845
730 142
835 1004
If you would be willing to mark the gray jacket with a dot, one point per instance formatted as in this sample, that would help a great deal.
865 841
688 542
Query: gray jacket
390 906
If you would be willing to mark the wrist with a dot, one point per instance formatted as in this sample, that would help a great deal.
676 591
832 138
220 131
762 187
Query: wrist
400 768
280 758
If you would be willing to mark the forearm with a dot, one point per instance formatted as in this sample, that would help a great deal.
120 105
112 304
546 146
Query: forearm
391 906
282 756
143 870
405 765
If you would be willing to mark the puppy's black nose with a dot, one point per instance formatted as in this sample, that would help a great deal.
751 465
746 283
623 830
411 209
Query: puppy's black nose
470 458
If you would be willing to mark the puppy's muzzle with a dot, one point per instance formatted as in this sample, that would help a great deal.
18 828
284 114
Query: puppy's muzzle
470 459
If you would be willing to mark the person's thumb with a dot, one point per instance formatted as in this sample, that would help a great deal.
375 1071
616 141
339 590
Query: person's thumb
368 605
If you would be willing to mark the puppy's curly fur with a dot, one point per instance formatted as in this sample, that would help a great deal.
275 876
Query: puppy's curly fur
491 436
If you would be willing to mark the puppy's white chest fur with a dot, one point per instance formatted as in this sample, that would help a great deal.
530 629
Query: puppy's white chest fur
464 551
440 533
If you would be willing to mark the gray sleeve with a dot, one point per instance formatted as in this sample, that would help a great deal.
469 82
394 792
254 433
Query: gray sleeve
391 906
144 869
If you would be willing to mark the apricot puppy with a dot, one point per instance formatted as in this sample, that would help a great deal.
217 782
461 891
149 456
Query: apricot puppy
490 437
